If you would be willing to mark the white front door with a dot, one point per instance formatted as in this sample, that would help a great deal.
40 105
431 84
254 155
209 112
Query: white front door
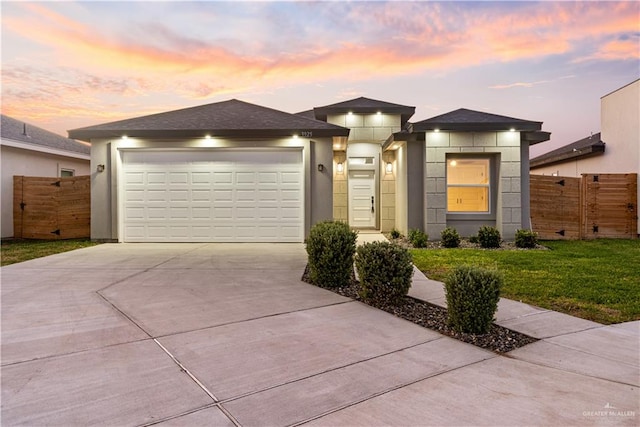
362 202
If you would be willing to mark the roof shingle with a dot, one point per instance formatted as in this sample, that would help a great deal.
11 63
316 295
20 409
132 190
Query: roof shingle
226 118
469 120
17 130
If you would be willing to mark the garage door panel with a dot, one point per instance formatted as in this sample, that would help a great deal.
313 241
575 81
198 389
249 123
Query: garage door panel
213 196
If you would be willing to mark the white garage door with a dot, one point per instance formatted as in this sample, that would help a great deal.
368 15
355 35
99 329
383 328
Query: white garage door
213 196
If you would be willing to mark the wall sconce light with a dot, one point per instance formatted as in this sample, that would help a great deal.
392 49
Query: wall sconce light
389 167
320 167
100 168
340 167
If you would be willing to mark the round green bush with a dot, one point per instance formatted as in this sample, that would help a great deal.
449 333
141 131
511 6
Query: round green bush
331 246
489 237
526 239
395 234
450 238
385 270
418 238
472 295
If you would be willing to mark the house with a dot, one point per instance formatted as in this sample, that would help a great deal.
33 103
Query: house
234 171
615 149
32 151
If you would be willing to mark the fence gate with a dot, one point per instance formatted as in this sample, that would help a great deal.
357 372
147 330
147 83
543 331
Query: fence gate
610 205
51 208
555 207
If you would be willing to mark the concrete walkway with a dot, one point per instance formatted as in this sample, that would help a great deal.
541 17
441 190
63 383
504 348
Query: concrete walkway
227 334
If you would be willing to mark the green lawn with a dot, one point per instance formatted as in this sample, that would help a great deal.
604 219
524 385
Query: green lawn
13 251
597 280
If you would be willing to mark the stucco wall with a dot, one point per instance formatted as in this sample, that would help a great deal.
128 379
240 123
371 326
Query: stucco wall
388 192
504 145
367 127
105 221
340 206
17 161
401 189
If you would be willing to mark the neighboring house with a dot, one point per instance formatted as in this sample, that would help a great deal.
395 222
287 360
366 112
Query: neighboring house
615 149
32 151
234 171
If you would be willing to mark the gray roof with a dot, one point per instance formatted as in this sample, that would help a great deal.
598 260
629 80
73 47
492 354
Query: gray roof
470 120
17 130
585 147
365 105
231 118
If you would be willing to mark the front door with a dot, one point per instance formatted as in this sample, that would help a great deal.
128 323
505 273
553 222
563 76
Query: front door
362 202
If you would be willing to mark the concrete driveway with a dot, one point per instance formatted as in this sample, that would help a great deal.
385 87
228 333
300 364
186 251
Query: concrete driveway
227 334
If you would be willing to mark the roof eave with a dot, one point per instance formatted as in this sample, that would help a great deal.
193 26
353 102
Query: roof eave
592 150
89 134
477 127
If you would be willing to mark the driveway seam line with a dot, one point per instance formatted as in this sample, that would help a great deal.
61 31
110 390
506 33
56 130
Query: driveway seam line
186 371
181 414
569 371
251 393
394 388
590 354
126 316
146 270
237 322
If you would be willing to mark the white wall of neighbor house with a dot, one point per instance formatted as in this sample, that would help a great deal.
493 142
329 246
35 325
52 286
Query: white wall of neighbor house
505 146
18 161
105 220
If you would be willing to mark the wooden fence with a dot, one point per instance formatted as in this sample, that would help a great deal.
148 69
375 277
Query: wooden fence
51 208
593 206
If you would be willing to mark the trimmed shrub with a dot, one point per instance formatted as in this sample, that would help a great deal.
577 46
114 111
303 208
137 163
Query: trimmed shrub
395 234
526 239
450 238
418 238
489 237
472 298
474 239
331 246
385 270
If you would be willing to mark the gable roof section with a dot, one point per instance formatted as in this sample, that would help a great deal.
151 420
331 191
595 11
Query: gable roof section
23 135
231 118
365 105
586 147
470 120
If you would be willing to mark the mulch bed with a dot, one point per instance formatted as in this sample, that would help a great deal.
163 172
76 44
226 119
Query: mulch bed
499 339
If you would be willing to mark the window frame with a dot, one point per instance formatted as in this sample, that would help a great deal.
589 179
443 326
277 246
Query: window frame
67 170
492 187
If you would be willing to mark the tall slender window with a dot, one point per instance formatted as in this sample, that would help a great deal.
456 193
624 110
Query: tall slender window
468 185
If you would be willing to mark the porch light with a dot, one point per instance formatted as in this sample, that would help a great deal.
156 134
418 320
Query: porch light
512 130
320 167
436 130
379 113
295 136
453 163
100 168
207 136
125 137
350 113
340 167
389 167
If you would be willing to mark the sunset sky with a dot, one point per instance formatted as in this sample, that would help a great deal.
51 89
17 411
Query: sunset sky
72 64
